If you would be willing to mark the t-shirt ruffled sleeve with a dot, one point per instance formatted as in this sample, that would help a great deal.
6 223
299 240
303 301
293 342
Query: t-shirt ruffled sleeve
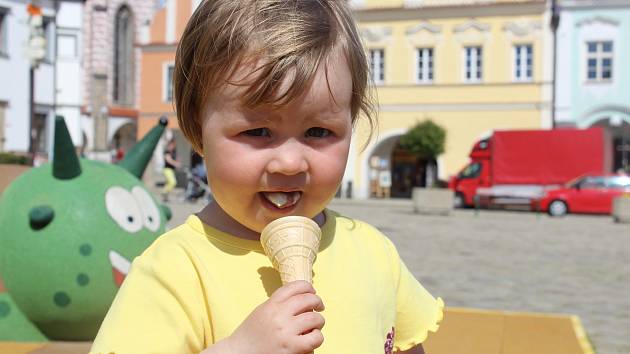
155 310
417 311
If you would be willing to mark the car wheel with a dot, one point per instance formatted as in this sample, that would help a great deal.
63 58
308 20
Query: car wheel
458 200
558 208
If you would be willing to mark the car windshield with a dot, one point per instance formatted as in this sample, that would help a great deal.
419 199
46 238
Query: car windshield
572 183
471 171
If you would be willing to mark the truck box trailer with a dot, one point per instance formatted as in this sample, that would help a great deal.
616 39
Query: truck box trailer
516 166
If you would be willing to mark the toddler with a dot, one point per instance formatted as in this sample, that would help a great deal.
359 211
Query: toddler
268 92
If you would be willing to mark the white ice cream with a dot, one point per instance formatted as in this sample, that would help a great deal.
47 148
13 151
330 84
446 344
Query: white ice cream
283 199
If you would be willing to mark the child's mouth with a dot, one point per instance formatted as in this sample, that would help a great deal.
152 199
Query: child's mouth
282 200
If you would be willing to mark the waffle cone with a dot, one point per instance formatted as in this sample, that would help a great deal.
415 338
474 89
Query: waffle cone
291 243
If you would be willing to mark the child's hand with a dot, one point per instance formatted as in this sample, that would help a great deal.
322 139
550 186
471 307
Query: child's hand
284 324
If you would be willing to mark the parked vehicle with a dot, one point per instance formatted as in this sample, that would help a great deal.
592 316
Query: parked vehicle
518 166
592 194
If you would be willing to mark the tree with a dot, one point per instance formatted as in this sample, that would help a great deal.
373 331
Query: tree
426 141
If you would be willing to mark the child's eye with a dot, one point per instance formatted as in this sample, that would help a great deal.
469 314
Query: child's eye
317 132
263 132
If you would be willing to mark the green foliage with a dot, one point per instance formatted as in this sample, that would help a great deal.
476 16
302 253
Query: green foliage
12 159
425 140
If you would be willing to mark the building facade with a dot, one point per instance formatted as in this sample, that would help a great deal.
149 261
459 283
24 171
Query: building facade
89 74
15 110
158 58
592 81
112 33
469 66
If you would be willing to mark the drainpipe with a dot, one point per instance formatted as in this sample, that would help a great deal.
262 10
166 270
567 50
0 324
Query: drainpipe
56 6
555 22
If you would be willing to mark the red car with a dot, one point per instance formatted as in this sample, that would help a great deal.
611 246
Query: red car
590 194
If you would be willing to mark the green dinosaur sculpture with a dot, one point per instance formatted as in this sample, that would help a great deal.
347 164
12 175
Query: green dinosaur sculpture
69 231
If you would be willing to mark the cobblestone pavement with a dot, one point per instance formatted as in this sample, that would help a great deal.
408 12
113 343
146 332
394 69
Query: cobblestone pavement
514 261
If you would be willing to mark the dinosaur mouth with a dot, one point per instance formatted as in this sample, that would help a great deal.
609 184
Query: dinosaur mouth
120 267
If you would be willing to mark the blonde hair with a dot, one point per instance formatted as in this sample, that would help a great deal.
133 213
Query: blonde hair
292 37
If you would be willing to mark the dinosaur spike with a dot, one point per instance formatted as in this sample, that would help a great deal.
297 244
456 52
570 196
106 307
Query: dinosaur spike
138 157
65 161
167 212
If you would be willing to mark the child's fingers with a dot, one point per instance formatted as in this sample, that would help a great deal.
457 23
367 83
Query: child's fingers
291 289
301 303
309 321
310 341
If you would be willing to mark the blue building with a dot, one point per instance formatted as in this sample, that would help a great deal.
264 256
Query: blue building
593 78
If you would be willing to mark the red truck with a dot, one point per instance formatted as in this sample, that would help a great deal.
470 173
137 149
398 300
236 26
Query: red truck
517 166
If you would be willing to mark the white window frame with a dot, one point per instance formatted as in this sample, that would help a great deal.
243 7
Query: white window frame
377 65
599 56
4 28
74 39
424 64
166 80
476 70
521 68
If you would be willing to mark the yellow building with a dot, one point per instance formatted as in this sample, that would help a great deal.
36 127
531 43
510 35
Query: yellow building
471 66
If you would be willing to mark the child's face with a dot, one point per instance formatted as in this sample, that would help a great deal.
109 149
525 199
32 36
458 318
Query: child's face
267 163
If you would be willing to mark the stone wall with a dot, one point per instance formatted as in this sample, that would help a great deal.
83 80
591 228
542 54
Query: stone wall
98 42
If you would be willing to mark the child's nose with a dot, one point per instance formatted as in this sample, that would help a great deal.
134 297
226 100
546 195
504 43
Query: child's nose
288 159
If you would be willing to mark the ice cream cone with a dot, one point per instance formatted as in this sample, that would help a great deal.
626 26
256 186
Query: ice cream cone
291 243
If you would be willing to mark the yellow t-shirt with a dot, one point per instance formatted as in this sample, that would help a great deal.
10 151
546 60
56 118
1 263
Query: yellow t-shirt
195 285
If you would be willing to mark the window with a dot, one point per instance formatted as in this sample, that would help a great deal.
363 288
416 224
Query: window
473 64
123 57
4 48
40 128
599 61
49 35
377 65
592 183
471 171
425 65
168 82
67 46
523 62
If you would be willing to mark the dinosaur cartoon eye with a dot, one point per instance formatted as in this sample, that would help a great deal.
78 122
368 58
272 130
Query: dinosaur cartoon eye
124 209
147 206
41 216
